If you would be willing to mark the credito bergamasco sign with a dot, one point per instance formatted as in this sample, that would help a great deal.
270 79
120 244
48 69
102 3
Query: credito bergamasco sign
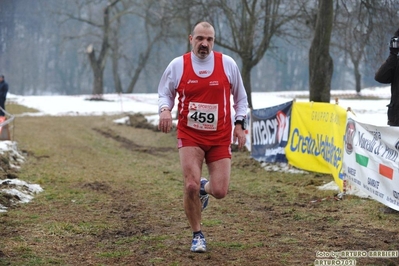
316 138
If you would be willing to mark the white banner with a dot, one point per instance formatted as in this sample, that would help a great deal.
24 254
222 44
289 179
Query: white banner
371 160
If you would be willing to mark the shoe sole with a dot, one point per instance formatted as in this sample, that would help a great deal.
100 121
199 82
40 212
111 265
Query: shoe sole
204 199
199 251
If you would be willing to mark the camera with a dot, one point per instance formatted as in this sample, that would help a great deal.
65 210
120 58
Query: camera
394 43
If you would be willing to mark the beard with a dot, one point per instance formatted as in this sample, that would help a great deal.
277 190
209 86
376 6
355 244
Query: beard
203 52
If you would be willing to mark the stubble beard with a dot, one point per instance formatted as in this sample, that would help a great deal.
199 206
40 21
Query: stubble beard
203 53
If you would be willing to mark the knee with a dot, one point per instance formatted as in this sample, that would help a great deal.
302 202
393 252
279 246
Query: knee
219 193
192 188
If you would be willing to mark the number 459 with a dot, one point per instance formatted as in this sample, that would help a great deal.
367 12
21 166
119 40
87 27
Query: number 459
203 117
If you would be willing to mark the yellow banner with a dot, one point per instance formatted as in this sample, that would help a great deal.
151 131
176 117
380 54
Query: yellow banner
316 138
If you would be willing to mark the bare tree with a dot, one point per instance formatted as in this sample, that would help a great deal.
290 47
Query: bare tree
320 61
97 61
354 25
156 25
359 27
386 22
364 28
247 27
115 55
56 55
152 24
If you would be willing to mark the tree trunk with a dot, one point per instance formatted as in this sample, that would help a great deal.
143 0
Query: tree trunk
358 77
246 79
98 84
97 72
320 61
98 64
115 56
142 62
115 67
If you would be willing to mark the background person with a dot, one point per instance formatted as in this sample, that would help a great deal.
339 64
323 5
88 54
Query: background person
388 73
3 94
204 80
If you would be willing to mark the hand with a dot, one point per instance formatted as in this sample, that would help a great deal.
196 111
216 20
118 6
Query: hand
165 121
239 135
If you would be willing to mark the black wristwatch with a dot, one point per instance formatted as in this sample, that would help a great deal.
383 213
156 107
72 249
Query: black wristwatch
242 123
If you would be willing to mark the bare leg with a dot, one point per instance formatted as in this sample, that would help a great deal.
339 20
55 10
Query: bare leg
191 160
219 172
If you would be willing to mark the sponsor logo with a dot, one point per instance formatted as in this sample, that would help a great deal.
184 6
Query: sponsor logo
192 81
271 131
372 182
376 134
207 107
204 72
352 171
192 106
396 194
349 136
397 144
213 83
282 123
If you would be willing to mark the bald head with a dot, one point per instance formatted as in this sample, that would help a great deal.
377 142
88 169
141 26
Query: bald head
202 24
202 39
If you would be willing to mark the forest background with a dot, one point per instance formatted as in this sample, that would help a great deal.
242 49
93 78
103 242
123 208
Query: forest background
57 47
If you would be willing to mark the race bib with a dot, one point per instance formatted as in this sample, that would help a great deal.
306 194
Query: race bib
202 116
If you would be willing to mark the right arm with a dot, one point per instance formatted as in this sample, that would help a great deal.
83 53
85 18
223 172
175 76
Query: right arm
167 93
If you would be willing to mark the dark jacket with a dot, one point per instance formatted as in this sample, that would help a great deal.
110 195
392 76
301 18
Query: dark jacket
3 89
388 73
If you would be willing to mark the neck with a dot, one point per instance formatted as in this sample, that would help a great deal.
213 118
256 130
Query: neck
199 60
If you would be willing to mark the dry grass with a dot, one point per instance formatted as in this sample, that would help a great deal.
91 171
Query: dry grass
113 196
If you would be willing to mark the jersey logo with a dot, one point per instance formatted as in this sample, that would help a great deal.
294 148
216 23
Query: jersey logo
214 83
204 72
192 106
192 81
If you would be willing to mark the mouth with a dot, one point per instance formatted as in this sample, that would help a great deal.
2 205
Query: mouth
203 50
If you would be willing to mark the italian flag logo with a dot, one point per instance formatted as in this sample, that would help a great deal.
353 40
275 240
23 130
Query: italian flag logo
383 170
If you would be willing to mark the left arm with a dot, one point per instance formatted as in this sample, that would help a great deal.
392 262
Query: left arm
239 96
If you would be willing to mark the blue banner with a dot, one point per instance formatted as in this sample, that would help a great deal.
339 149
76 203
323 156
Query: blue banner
269 132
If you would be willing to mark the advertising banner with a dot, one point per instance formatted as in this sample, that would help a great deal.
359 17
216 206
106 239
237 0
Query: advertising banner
269 131
316 138
371 160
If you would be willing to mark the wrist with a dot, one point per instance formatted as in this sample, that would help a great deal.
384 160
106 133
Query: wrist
163 109
240 122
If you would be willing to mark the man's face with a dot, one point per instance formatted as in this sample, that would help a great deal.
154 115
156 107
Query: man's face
202 41
1 79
